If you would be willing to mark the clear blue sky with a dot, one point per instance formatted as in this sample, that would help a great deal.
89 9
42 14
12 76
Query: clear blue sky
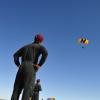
70 72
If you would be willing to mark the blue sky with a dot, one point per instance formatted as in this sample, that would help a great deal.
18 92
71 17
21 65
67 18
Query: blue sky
70 72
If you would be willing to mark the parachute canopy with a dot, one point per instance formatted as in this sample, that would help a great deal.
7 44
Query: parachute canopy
83 41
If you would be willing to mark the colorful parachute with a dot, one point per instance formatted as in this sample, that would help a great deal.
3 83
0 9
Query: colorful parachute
83 41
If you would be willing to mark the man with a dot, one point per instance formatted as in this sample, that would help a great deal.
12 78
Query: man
25 77
37 89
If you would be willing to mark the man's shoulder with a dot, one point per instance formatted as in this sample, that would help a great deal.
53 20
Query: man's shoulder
28 45
37 45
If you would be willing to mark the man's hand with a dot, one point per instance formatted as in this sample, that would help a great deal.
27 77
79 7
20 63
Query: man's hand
20 66
37 66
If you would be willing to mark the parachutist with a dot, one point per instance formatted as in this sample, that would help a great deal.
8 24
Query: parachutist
82 46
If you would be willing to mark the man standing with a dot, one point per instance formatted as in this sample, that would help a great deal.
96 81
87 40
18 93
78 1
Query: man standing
25 77
37 89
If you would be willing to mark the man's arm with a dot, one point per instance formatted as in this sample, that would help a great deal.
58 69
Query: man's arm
40 89
44 55
17 55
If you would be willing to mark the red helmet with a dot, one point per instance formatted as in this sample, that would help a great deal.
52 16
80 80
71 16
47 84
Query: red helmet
39 38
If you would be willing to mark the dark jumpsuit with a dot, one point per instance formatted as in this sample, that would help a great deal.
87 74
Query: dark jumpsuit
37 89
25 78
